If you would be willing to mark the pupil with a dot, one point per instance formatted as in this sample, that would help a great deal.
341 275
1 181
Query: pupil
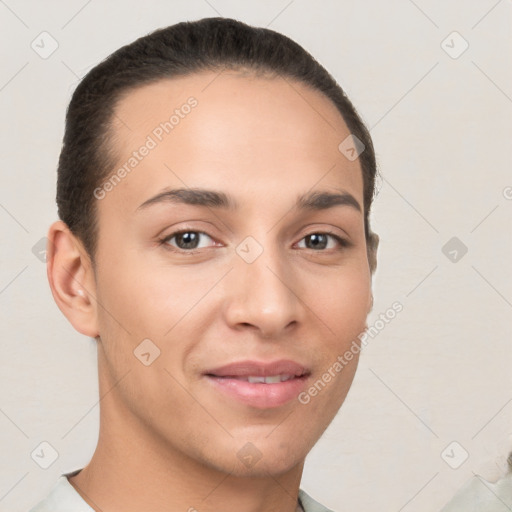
189 240
315 241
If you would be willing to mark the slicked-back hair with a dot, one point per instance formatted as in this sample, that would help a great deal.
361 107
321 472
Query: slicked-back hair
210 44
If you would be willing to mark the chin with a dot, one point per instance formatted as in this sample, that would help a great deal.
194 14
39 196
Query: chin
260 459
265 468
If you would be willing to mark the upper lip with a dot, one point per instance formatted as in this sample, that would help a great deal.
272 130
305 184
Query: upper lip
259 369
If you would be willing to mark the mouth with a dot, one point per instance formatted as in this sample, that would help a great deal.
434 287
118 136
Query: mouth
257 379
260 385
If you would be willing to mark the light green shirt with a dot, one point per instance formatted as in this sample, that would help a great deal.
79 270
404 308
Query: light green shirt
478 495
64 498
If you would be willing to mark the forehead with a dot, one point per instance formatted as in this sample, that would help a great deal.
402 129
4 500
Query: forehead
232 131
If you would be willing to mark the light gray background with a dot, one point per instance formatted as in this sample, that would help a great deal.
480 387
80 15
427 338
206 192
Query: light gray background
438 373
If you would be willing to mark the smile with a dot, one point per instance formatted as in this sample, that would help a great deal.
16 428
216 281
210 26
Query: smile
259 385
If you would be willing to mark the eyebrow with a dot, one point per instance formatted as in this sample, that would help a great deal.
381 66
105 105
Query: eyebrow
317 200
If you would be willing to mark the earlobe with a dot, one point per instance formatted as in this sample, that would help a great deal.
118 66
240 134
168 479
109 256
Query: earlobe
71 279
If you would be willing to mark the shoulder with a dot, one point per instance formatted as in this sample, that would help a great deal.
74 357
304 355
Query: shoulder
478 495
62 498
309 504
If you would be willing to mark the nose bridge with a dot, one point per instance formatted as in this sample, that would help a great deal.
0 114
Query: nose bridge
261 287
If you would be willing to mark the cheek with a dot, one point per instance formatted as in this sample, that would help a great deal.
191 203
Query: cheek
343 303
342 306
145 299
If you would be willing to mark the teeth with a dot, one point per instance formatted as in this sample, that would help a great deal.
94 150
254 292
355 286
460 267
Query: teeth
254 380
272 379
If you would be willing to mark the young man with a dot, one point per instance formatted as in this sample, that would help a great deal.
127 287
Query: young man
214 191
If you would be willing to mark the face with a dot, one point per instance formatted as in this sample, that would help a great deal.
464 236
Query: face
205 295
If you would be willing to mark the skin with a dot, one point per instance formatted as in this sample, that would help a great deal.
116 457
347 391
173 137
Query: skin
168 440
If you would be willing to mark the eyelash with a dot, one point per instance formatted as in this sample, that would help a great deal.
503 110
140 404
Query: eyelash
164 241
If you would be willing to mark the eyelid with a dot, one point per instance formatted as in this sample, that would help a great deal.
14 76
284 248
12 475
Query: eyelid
164 240
343 242
321 228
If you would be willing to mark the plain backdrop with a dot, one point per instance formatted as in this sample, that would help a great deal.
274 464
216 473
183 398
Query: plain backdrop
431 404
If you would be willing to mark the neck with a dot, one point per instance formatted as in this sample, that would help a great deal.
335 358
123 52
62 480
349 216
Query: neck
132 469
124 475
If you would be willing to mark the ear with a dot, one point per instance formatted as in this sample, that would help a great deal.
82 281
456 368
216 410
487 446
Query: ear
71 278
372 245
370 303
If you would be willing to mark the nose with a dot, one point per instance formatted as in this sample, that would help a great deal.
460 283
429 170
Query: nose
262 296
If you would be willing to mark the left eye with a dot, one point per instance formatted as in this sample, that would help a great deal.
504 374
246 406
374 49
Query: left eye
186 239
319 241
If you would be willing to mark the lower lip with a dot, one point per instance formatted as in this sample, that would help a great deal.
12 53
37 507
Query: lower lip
260 395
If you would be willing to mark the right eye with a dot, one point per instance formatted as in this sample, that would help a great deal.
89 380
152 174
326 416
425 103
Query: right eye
185 240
